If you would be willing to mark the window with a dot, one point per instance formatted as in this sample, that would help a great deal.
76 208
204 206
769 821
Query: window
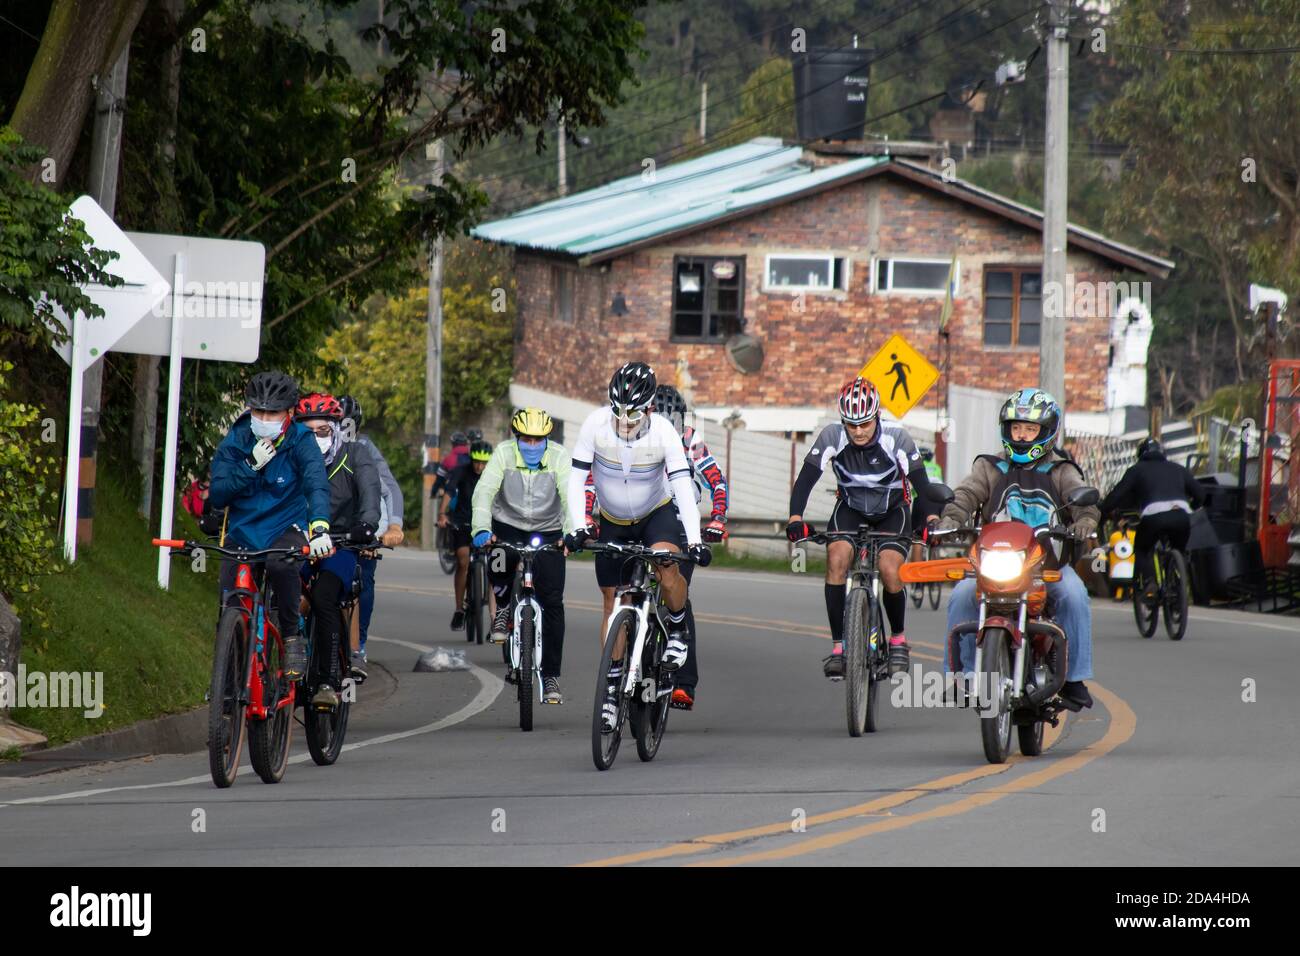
708 298
1013 306
562 280
915 276
797 273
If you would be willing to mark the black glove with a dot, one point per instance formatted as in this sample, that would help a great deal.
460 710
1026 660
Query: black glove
714 531
797 530
362 534
701 554
210 522
577 538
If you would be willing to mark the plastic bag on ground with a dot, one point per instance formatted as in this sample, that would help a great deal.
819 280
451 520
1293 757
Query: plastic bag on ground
441 659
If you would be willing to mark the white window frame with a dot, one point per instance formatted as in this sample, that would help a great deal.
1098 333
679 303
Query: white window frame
924 260
811 257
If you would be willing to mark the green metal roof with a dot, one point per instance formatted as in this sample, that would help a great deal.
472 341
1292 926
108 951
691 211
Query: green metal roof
681 195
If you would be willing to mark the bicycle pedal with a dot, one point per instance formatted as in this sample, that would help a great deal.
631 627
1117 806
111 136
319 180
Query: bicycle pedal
835 680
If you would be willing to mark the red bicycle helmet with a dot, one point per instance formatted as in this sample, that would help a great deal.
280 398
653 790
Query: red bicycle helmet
859 402
318 405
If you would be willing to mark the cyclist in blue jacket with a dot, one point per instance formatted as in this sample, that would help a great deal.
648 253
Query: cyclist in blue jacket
270 477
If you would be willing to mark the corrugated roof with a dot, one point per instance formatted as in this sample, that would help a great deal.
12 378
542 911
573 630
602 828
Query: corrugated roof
682 195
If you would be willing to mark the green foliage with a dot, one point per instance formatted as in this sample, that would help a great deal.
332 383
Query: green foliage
766 104
45 254
28 500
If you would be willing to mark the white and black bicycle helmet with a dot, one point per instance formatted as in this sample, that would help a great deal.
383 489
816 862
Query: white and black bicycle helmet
632 387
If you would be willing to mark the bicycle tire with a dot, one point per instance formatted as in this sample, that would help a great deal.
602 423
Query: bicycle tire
877 664
527 635
479 607
1145 613
1176 588
269 739
935 591
326 730
856 661
995 731
446 553
917 595
604 744
226 723
653 717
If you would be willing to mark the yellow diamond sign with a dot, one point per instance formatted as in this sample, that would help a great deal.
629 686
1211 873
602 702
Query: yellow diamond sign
901 374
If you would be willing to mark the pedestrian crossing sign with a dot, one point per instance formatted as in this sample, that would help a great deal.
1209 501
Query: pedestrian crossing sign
901 374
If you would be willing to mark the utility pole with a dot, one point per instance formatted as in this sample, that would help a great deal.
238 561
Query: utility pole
432 373
704 111
106 150
562 159
1051 349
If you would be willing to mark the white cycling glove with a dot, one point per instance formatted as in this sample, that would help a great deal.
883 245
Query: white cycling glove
320 542
263 452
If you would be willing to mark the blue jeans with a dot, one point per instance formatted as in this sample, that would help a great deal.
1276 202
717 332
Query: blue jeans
367 595
1071 609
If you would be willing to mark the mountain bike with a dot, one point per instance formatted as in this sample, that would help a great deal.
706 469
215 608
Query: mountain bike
248 694
523 650
932 589
1172 584
632 683
478 607
866 650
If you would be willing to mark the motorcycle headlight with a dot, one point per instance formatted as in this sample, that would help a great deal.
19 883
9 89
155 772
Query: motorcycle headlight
1002 565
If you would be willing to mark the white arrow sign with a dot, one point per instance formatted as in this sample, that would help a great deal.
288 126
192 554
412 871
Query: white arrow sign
143 287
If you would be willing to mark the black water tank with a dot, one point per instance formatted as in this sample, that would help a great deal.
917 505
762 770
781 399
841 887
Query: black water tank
830 90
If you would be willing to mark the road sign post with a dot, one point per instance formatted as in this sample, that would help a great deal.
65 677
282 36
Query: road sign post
175 361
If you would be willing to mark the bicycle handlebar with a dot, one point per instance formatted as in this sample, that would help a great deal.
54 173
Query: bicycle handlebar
247 554
823 537
638 551
522 548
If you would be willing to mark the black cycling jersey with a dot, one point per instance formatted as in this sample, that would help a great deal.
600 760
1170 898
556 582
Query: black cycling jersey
870 477
1153 486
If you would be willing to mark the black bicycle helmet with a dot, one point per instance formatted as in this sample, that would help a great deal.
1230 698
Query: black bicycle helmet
473 435
927 454
1150 449
633 386
670 404
351 409
459 438
271 392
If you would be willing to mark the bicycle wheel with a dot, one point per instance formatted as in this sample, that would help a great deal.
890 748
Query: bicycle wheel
1175 594
856 661
268 740
995 729
653 717
918 595
604 743
226 725
446 554
1145 612
935 591
325 729
877 663
478 603
527 635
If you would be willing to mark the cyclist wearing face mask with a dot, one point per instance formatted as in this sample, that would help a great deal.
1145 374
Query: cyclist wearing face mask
269 477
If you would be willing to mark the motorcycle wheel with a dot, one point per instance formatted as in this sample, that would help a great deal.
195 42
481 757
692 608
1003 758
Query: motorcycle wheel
995 729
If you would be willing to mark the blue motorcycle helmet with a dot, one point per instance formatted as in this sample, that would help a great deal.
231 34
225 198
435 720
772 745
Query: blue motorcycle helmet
1036 407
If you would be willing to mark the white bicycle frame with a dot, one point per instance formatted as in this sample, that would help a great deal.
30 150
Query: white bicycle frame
632 678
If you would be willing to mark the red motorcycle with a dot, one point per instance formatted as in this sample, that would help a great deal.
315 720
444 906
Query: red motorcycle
1021 655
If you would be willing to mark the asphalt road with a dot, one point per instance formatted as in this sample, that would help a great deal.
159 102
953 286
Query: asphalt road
1171 767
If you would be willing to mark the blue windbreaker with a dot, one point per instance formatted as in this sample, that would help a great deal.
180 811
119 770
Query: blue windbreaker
291 489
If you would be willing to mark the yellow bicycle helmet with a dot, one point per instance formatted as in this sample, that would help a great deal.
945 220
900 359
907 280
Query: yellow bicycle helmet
531 422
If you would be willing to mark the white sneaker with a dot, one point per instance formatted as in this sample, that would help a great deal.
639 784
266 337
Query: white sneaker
676 653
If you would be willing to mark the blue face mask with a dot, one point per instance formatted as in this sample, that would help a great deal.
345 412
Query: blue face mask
532 454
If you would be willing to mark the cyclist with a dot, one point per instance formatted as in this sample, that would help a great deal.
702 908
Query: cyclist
459 452
924 511
354 505
708 479
1165 494
460 488
390 516
1030 482
872 460
640 472
524 493
271 480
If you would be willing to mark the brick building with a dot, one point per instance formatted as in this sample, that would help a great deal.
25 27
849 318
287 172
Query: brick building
817 257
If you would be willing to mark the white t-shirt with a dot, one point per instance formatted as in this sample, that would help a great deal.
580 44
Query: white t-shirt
631 477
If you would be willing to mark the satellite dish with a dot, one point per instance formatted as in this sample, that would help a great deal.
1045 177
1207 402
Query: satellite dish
745 352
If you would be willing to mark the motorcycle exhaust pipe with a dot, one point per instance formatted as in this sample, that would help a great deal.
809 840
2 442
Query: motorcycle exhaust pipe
1041 695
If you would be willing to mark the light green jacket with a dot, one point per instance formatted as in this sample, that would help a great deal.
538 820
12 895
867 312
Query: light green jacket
510 492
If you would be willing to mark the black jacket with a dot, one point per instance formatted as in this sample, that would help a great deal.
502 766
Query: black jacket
354 488
1153 480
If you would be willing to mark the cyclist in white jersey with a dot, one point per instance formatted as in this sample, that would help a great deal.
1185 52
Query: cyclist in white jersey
640 472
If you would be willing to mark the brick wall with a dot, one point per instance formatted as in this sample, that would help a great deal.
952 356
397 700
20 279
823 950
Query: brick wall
808 353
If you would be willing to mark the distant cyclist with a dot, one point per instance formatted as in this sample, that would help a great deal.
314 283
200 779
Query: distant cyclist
390 513
460 488
269 476
459 452
1165 494
354 510
523 493
871 460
